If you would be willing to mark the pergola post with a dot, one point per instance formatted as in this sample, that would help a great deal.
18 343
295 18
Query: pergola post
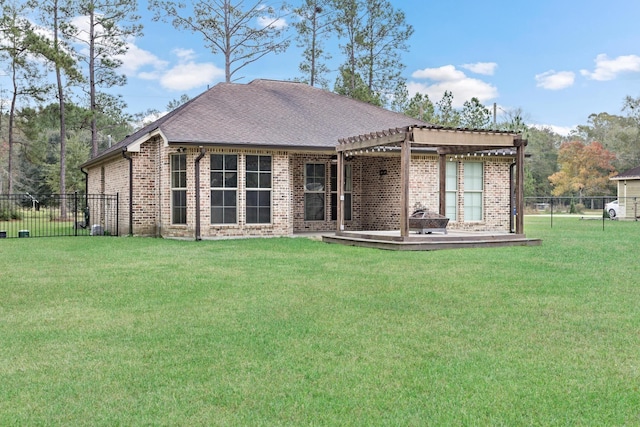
520 145
340 192
405 165
443 185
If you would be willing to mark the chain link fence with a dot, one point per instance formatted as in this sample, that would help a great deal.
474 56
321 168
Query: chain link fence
51 215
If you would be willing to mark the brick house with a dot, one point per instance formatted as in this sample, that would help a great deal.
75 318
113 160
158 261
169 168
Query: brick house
266 159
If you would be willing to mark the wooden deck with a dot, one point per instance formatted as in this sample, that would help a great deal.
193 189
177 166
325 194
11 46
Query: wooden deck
391 240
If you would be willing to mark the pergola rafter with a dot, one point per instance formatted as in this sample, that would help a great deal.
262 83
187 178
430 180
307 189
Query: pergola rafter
446 141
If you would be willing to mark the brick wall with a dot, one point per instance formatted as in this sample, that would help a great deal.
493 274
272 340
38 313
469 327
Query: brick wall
375 197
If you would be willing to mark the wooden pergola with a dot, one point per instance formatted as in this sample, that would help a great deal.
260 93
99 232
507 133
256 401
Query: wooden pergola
446 141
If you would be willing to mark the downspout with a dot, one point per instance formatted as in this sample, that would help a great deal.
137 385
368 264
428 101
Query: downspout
128 157
86 181
197 168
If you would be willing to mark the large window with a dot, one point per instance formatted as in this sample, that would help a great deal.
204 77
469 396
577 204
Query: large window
473 188
224 188
258 191
348 188
179 189
314 191
451 191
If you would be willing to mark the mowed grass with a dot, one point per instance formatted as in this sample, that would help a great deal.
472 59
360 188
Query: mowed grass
135 331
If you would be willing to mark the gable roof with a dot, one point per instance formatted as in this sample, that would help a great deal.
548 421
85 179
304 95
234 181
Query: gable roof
269 114
630 174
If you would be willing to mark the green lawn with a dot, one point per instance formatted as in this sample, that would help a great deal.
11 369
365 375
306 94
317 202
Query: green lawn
134 331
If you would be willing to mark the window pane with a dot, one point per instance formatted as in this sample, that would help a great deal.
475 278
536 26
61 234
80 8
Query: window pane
217 160
451 209
264 215
334 177
231 179
265 180
252 215
216 215
347 207
216 198
230 215
252 198
216 179
252 163
473 176
264 198
230 198
179 207
473 206
231 162
252 180
452 176
314 206
265 163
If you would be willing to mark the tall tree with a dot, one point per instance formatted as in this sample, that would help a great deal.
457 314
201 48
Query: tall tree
542 159
373 35
110 24
584 170
383 37
313 28
25 74
242 33
56 15
420 107
474 115
446 115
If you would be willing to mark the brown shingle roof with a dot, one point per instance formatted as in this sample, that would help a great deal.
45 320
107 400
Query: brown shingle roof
269 113
631 173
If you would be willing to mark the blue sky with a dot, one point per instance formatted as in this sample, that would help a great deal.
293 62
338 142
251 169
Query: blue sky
557 60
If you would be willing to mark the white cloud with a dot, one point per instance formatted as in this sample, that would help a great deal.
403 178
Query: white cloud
184 54
136 58
555 80
275 23
485 68
457 82
189 75
445 73
609 69
560 130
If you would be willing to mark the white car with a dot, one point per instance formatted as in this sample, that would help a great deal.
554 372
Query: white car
612 209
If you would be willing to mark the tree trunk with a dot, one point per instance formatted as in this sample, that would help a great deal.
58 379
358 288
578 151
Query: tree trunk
92 82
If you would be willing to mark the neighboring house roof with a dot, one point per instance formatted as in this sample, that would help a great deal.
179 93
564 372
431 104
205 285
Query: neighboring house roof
266 113
630 174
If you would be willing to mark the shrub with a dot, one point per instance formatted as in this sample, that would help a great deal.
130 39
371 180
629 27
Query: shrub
8 213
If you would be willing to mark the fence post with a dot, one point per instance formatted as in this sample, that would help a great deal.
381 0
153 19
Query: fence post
117 214
75 213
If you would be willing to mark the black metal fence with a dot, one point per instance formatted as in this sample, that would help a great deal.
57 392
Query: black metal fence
601 207
48 215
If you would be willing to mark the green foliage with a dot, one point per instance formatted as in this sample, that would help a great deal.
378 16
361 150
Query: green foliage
9 213
446 115
373 34
314 27
474 115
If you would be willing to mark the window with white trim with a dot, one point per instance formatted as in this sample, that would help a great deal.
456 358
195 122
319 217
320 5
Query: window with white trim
314 191
178 188
258 189
348 188
473 191
224 188
451 191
